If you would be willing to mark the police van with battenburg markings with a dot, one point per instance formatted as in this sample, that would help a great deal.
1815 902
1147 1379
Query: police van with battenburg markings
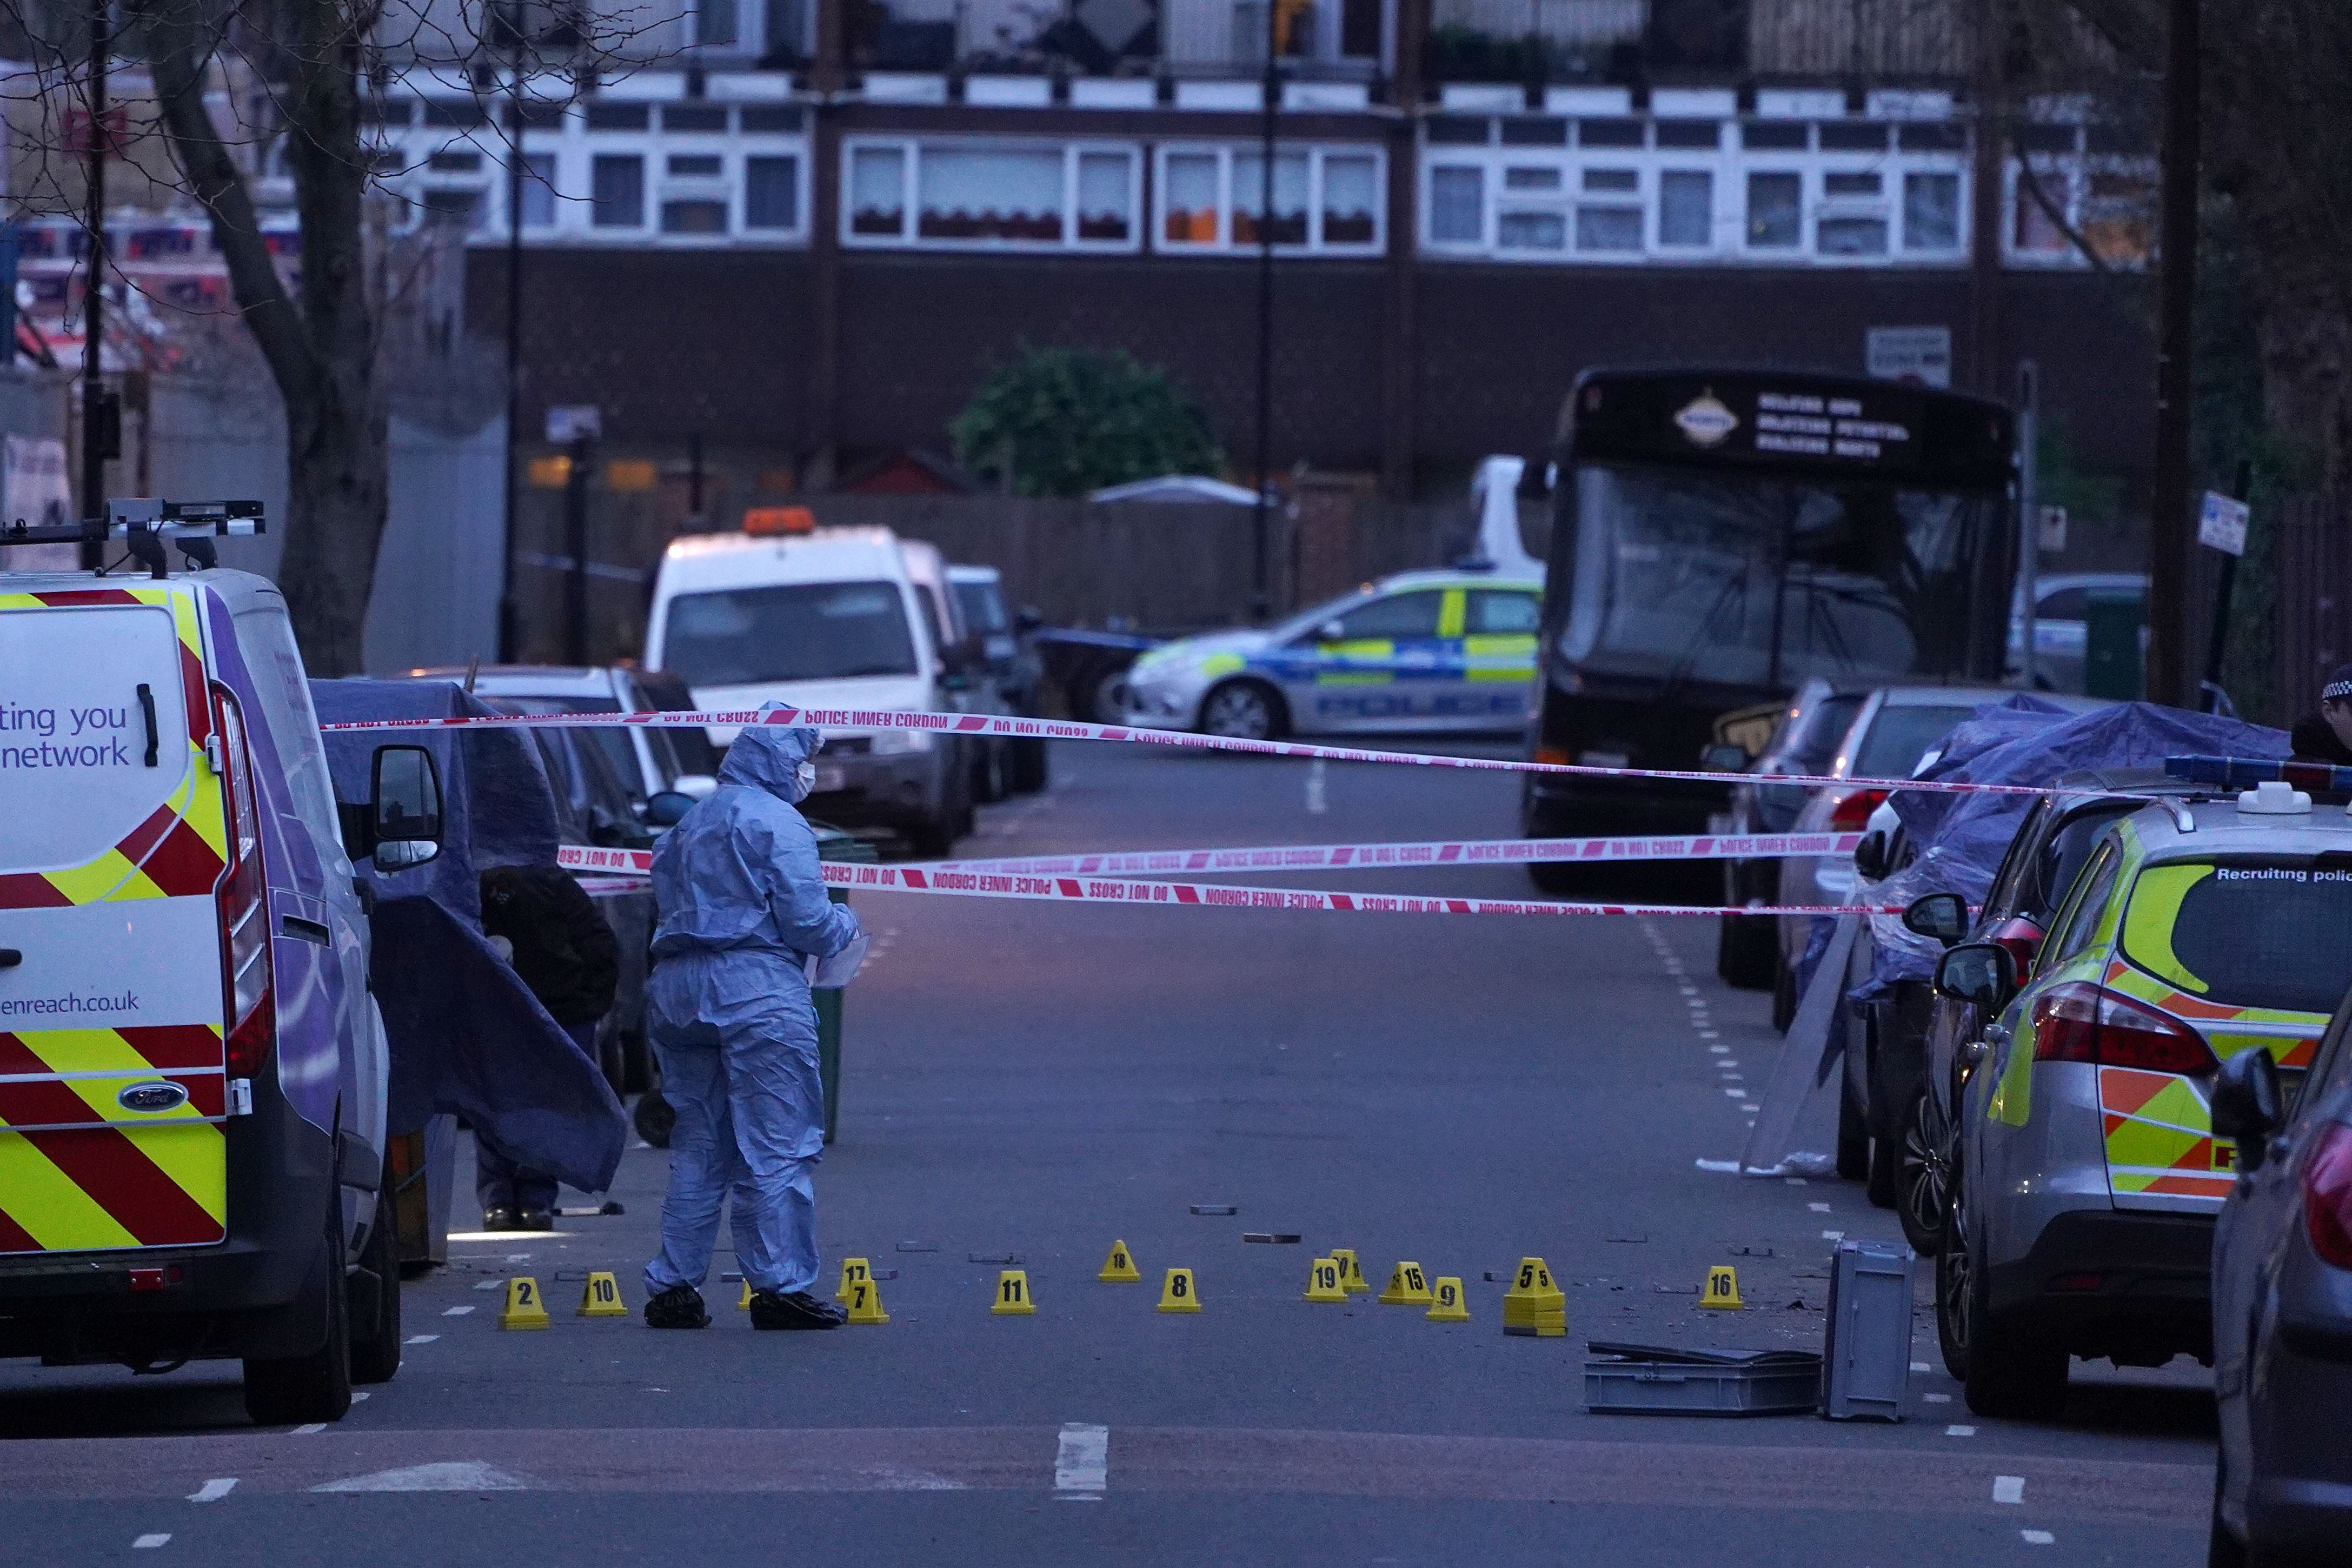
192 1069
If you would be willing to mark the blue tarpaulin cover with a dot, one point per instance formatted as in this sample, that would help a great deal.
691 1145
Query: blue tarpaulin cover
2024 739
465 1035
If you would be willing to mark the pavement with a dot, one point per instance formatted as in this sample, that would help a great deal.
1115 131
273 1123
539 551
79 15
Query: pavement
1029 1082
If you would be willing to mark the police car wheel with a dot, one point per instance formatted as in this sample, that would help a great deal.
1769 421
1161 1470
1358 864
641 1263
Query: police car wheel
1242 711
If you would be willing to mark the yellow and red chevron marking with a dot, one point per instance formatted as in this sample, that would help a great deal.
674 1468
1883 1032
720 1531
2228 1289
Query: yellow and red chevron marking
2159 1136
2292 1038
69 1182
181 847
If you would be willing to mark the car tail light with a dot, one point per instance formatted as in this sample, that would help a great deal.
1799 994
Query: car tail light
2079 1022
1556 755
2327 1196
1852 813
2022 939
242 899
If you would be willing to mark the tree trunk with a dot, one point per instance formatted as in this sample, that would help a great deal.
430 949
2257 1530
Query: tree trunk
321 353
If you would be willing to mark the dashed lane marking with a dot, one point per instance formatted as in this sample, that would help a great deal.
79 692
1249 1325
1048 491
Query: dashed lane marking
2038 1538
422 1339
1959 1431
147 1541
2008 1488
309 1427
214 1490
1082 1462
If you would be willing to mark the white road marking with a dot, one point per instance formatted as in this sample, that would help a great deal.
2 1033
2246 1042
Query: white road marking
1082 1462
1316 803
1937 1398
458 1476
2038 1538
1721 1050
308 1427
148 1541
1720 1167
2008 1489
1711 1035
422 1339
212 1492
1726 1065
1794 1180
1736 1093
1959 1431
357 1394
490 1285
458 1311
1819 1208
1832 1236
1921 1366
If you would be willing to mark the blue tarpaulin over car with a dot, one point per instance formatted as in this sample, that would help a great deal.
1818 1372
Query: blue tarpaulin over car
467 1035
2022 740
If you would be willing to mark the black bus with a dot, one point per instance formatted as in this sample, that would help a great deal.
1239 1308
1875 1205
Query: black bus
1720 535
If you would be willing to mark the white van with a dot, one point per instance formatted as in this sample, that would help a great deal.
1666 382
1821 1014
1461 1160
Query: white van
830 618
193 1072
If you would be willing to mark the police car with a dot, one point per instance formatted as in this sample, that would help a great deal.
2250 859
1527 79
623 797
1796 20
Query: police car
1418 651
2081 1218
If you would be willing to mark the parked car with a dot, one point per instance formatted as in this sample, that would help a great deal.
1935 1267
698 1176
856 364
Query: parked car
1892 729
214 1178
1803 742
2089 1175
1913 1068
969 686
1008 645
2283 1307
2061 623
1418 651
824 617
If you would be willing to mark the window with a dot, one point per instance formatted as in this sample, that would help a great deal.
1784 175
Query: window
767 117
1774 136
1607 228
878 191
1852 237
1288 224
454 209
1686 207
988 194
1849 184
1609 133
617 191
1457 205
618 117
1931 212
980 194
2271 932
455 162
695 117
1503 615
1531 231
1613 180
802 631
694 217
539 190
1398 616
1324 198
1191 198
1845 136
1531 179
1351 199
694 165
771 193
1106 198
714 22
2082 916
462 112
1775 211
1688 134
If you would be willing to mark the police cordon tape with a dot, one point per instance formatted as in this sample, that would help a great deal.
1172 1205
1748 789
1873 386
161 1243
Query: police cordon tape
978 724
1436 852
953 879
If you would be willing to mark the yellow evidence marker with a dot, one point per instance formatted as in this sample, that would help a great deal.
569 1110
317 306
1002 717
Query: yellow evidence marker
1179 1294
1323 1281
865 1303
1119 1269
743 1303
1012 1295
1407 1286
1535 1307
1351 1273
524 1310
1722 1292
853 1270
602 1298
1446 1305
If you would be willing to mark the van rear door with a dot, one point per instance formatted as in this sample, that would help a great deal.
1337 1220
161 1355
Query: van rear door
112 1088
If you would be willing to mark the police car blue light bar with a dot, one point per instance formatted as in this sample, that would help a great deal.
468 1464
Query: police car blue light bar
2245 772
147 515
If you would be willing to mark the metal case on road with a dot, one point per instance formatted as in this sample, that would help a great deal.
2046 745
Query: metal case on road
1867 1345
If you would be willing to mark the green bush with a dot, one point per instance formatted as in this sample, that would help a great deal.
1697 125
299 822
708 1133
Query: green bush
1071 420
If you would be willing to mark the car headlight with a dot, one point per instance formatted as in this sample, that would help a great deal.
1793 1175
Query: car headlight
900 743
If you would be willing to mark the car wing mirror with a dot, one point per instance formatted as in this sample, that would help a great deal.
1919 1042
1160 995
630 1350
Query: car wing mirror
1724 757
1980 973
404 817
2247 1105
1030 618
1941 917
1870 856
1331 631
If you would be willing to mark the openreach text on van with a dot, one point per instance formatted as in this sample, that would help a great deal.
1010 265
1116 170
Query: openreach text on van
16 719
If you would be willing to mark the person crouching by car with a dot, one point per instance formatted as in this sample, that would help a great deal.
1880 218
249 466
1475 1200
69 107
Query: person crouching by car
2326 736
543 924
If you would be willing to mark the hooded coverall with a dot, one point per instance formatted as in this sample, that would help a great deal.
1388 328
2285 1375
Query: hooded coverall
728 1007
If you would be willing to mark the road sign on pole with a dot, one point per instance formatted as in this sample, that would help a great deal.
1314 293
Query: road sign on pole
2222 523
569 422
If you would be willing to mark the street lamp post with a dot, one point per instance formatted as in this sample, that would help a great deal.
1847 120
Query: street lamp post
102 428
1261 520
509 608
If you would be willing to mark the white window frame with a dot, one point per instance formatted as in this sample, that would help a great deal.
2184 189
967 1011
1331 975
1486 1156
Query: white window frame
2067 176
911 148
1317 154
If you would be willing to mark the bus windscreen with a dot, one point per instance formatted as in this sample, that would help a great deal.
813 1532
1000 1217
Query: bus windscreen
1749 579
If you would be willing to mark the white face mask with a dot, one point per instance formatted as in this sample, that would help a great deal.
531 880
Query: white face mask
807 776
